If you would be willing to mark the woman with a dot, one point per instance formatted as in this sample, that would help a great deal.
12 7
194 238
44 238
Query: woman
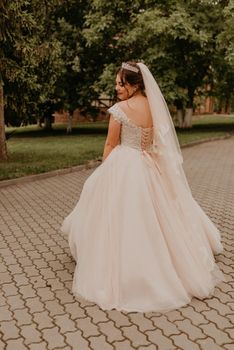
141 241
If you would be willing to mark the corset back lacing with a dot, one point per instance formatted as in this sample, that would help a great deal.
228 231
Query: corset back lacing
148 149
130 133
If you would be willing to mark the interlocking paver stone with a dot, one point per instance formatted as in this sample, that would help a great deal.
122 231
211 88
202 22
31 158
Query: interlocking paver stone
53 338
30 334
194 332
5 277
54 308
142 322
9 260
97 315
167 327
2 301
163 342
27 291
210 344
220 321
87 327
223 309
75 311
16 302
112 333
136 337
182 341
123 345
100 343
23 317
76 340
34 304
64 296
40 346
5 314
9 289
45 293
212 331
65 323
37 308
14 344
54 284
196 317
228 346
9 330
120 319
31 271
21 280
43 320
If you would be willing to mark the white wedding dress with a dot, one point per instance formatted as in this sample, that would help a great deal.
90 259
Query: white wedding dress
139 246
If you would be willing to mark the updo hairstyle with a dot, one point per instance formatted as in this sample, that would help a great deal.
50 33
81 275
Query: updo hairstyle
133 78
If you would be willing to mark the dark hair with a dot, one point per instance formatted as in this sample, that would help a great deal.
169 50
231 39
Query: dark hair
131 77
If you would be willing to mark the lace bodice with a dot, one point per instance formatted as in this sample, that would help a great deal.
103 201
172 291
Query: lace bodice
132 135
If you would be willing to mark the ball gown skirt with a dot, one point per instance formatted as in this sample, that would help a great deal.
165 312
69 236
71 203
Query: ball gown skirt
137 247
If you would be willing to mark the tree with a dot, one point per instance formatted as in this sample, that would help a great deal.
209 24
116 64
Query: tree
74 84
226 37
177 39
30 55
13 22
3 148
224 61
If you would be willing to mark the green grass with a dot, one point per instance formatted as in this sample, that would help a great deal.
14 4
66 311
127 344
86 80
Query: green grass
207 127
32 150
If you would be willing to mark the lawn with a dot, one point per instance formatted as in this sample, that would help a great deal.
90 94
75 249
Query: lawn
32 150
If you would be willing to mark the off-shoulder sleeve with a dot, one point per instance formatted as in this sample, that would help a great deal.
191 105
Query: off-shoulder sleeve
116 113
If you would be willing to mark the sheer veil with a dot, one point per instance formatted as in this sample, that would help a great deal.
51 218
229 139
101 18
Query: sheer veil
166 146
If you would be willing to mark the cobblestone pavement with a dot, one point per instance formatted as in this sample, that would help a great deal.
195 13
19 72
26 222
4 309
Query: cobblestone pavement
37 309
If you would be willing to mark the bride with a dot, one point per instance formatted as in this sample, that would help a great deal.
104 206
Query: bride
141 241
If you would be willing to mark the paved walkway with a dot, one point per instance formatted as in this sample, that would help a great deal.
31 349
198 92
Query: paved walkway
37 309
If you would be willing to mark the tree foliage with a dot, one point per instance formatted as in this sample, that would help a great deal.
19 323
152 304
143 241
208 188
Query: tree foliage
177 39
226 36
30 55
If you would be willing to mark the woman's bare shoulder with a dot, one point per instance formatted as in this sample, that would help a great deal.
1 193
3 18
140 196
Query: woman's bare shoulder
141 101
137 110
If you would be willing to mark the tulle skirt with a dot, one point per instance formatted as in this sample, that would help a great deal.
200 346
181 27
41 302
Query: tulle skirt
137 247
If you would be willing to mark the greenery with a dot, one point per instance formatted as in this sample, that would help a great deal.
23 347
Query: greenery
31 59
32 151
179 40
63 54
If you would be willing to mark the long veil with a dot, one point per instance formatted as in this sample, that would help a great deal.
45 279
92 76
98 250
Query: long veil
166 145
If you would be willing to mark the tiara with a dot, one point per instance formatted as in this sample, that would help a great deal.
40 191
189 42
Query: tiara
129 67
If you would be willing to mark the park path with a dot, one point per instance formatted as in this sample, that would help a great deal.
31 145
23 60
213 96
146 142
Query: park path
37 309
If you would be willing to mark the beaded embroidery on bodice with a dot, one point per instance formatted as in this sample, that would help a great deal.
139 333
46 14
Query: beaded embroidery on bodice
132 135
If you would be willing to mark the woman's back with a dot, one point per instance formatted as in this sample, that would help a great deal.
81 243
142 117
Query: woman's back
138 111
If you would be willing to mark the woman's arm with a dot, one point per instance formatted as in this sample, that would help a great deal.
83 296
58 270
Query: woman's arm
113 137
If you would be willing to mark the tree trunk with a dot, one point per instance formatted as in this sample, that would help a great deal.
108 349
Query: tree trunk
227 105
3 147
69 123
180 117
189 109
188 118
48 123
